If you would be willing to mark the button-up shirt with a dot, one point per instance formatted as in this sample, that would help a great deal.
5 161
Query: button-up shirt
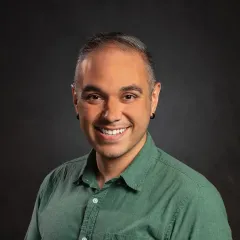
155 197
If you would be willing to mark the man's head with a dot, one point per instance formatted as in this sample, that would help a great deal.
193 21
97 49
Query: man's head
115 93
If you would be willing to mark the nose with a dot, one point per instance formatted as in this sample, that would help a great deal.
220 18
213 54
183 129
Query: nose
112 110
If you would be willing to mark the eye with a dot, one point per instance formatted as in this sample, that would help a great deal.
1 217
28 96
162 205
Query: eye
129 97
93 98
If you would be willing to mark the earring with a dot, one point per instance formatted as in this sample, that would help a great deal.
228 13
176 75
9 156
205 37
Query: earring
77 116
153 116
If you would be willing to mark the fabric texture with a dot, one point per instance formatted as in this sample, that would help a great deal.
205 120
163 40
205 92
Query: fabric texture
156 197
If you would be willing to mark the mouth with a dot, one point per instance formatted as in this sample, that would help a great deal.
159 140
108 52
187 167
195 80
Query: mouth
111 134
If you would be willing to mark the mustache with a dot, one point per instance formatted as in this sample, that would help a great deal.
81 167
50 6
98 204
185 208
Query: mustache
104 123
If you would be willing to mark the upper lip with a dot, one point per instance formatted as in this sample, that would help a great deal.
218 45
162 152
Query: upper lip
108 128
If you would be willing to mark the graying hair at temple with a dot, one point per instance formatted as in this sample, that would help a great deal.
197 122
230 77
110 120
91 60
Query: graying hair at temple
121 40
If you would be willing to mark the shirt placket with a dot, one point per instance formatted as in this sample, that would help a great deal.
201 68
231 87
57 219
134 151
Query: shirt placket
91 213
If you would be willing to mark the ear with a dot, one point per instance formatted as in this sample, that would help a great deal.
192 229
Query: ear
75 98
155 97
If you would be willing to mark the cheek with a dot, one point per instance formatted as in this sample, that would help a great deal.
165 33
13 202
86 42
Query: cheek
140 108
139 113
83 110
88 113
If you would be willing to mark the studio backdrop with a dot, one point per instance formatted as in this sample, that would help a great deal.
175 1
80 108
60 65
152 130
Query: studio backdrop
195 47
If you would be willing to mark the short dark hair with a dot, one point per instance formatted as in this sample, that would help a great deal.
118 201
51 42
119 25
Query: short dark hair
119 39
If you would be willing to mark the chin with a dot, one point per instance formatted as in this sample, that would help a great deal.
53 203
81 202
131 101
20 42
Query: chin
110 153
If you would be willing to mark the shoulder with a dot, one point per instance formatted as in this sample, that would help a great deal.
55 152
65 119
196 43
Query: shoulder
198 206
181 172
68 171
186 184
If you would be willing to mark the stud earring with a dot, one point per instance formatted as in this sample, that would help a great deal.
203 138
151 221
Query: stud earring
77 116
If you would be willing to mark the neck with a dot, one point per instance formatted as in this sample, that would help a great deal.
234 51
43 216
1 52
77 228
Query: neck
111 168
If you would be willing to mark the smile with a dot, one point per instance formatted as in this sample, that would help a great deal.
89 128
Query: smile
112 132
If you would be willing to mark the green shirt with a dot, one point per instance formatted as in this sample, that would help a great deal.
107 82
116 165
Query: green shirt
156 197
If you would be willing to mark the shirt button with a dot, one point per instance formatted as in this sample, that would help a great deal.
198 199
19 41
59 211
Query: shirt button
95 200
84 238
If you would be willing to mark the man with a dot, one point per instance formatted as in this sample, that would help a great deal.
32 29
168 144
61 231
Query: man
126 187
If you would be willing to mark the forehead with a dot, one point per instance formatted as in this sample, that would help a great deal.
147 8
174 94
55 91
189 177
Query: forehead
112 66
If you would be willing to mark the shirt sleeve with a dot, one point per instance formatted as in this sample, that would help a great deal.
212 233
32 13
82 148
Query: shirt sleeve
202 216
48 183
33 231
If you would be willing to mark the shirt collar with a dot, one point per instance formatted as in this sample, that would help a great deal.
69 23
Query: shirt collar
87 173
134 175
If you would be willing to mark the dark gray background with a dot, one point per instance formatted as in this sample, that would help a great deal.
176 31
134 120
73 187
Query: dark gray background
196 51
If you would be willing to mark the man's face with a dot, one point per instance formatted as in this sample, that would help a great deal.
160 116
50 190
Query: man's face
113 101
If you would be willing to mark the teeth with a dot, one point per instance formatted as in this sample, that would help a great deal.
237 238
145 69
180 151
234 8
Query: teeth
113 132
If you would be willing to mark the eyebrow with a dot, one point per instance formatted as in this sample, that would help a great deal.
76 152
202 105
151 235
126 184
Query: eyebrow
92 88
132 87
